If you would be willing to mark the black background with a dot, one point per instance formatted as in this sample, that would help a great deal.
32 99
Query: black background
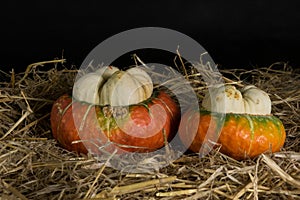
237 34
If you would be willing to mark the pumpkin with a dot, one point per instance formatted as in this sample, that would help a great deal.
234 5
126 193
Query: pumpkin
113 109
239 120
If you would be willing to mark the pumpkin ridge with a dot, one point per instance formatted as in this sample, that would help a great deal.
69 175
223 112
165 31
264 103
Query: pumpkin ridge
84 117
252 133
168 108
220 122
278 125
189 121
63 113
220 118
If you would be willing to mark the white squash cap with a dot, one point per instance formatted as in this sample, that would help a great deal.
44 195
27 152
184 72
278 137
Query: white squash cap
141 76
227 99
86 88
224 100
110 86
256 101
107 71
126 87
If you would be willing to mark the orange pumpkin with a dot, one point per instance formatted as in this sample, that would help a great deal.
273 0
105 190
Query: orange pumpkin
240 136
240 122
140 128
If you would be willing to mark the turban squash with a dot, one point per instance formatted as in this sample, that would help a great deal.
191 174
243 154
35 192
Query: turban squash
239 120
114 109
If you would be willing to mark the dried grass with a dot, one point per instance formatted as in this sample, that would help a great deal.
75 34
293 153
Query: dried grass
34 166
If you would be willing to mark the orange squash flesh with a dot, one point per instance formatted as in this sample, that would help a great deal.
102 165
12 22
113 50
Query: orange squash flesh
241 136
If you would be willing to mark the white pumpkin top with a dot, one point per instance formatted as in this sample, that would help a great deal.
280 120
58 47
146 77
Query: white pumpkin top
227 99
111 86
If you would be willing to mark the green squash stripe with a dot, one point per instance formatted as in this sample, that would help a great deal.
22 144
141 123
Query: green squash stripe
251 126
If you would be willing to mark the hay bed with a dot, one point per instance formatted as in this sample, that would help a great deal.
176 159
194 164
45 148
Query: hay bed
34 166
